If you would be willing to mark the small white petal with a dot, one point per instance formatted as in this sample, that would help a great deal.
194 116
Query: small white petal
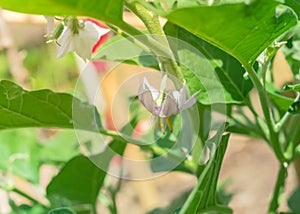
83 42
92 28
83 45
65 42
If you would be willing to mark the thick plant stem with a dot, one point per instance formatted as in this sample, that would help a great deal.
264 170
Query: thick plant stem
151 21
264 101
279 186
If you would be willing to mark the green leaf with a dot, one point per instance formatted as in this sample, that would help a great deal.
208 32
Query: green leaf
74 182
281 102
230 72
79 181
241 30
293 201
62 211
105 10
295 87
43 108
203 196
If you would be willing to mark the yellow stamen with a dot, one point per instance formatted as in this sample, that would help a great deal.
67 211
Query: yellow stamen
169 124
162 125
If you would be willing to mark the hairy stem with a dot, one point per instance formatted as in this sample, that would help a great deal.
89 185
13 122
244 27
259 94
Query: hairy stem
151 21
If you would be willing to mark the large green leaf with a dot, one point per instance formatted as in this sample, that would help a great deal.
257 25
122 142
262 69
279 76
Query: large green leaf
79 181
106 10
242 30
44 108
229 71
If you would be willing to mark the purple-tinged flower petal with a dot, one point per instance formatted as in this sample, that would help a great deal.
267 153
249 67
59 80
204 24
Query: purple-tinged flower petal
145 97
189 103
155 93
169 106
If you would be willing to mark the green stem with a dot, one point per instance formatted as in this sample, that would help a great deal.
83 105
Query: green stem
190 165
275 201
25 195
151 21
155 149
286 117
264 101
295 137
264 69
145 41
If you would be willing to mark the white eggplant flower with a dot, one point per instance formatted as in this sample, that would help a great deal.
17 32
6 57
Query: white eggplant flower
81 40
164 104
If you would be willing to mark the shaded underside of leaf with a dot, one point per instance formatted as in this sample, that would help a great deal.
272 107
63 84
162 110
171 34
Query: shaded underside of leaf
106 10
229 71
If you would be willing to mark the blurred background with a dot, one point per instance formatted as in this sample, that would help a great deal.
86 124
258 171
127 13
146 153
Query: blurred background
29 158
